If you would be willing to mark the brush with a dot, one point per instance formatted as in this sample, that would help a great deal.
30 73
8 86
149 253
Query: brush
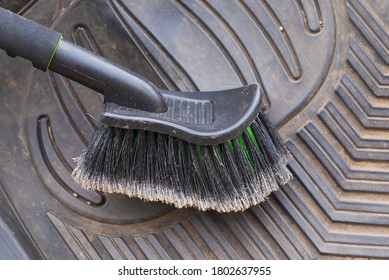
188 149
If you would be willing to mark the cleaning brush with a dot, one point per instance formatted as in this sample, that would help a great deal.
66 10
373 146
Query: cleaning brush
209 150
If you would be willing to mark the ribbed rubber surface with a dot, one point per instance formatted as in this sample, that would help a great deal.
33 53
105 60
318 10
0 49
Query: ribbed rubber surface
324 69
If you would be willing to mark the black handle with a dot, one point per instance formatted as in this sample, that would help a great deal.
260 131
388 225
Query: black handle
45 49
22 37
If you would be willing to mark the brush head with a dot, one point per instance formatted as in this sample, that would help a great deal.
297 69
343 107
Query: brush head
231 176
204 118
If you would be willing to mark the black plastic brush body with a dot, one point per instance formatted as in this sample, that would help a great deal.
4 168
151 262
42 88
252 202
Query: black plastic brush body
209 150
131 100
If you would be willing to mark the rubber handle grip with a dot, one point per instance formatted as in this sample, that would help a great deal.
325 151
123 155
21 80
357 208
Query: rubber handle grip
27 39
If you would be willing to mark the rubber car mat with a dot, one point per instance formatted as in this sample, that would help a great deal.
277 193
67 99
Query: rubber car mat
324 69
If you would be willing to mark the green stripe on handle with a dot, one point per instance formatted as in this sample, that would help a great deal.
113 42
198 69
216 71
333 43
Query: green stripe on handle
27 39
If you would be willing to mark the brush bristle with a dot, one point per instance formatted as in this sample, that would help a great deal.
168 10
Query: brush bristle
228 177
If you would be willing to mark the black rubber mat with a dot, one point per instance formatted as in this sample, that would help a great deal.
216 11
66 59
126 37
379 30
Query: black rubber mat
324 68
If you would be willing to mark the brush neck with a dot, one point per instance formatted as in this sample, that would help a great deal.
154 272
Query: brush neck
118 84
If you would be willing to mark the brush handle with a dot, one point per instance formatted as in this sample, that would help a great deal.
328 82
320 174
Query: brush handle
27 39
46 50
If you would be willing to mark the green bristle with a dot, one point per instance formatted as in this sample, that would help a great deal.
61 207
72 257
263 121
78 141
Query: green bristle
199 154
250 131
135 142
242 143
231 146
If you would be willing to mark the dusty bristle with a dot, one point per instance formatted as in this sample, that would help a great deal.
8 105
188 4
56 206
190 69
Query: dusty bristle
228 177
